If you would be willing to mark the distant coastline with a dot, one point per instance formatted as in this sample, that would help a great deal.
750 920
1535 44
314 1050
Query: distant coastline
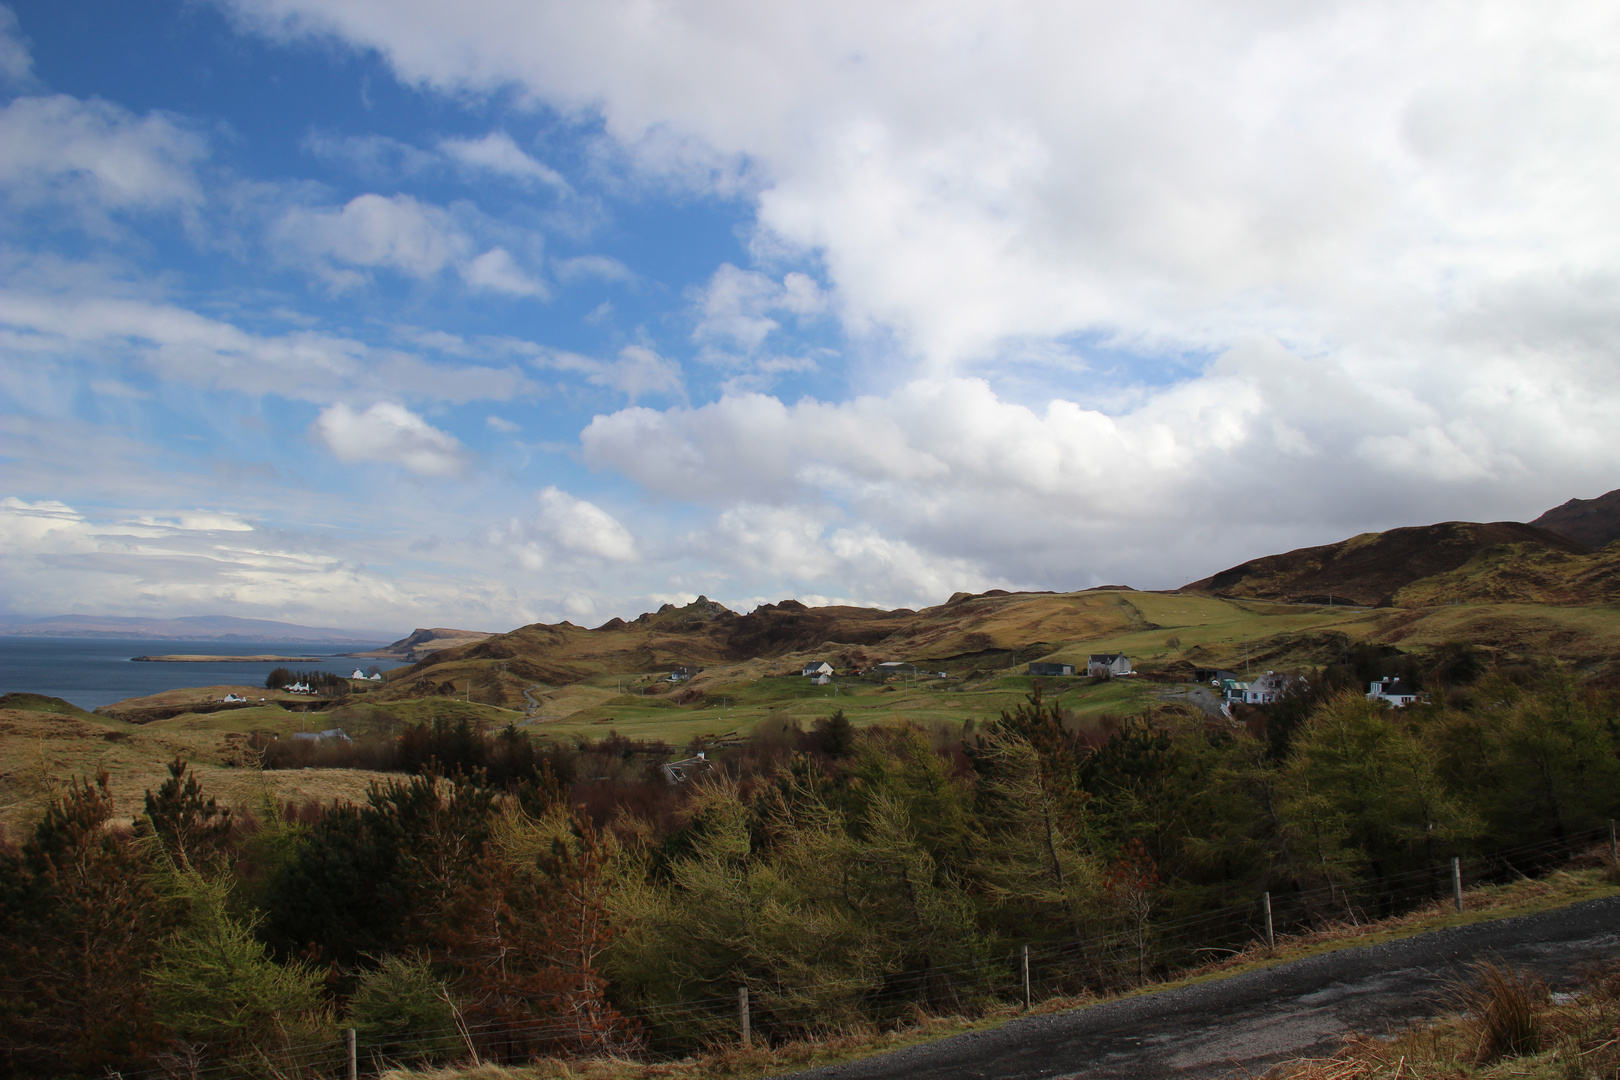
199 658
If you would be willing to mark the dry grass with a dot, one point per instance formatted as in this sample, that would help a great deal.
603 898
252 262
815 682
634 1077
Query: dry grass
1511 1028
41 752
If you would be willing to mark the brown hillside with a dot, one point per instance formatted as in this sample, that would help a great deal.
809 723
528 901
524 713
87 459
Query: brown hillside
421 642
1593 522
996 627
1372 568
1522 574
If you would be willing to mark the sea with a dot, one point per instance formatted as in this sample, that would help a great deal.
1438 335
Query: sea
88 672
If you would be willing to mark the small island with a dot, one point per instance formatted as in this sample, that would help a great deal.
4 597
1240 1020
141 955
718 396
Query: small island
262 659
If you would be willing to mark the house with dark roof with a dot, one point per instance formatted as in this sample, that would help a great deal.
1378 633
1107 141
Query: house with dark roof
816 667
1108 664
1391 690
1051 669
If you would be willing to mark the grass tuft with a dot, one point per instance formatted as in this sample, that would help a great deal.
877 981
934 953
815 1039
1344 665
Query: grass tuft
1502 1007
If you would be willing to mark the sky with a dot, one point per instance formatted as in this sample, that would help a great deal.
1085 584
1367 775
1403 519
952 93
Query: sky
397 313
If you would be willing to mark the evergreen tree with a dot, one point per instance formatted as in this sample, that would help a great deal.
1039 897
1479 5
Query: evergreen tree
80 925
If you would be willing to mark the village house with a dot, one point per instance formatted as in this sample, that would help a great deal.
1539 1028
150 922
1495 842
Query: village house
1051 669
1108 664
1390 690
682 673
817 667
1266 690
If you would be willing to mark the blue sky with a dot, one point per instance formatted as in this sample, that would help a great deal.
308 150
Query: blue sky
396 314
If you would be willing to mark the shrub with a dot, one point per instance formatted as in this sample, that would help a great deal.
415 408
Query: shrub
402 1012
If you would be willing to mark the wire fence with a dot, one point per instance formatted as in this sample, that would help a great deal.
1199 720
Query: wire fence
1098 960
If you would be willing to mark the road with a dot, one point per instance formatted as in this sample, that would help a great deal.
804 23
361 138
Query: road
1247 1022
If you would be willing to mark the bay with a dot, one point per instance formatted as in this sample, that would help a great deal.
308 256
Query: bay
98 671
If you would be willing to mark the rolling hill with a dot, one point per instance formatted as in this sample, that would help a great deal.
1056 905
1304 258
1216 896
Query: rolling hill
1373 568
1593 522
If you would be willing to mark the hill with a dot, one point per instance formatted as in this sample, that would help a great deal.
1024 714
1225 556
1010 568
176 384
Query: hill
1374 568
420 642
1593 522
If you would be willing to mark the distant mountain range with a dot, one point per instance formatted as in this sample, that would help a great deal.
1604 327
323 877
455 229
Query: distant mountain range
189 628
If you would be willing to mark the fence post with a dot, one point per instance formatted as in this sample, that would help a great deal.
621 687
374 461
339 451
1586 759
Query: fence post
354 1054
1613 857
1456 881
1027 999
1271 936
742 1016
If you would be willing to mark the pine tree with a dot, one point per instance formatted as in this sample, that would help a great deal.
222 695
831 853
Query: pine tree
80 924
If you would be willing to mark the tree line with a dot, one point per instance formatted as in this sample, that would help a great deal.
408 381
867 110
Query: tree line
847 877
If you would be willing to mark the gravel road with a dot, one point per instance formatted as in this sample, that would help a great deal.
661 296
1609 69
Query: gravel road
1245 1023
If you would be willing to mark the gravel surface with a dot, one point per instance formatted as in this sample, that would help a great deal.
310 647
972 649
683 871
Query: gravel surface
1244 1023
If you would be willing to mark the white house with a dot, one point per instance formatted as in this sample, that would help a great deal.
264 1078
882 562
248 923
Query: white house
1267 689
358 674
1392 691
1108 664
820 667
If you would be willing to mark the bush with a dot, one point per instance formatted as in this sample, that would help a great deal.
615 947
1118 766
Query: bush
402 1012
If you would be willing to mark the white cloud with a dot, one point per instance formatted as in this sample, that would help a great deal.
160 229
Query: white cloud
398 233
497 153
566 528
496 271
181 344
1176 172
16 64
735 303
391 433
637 371
501 424
375 156
93 156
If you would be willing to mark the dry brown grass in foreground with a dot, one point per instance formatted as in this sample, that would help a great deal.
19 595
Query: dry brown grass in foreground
1510 1026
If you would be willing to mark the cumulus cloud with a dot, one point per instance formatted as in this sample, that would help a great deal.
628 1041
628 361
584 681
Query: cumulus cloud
1064 492
735 304
496 153
566 528
1179 172
397 233
389 432
93 157
1310 262
497 271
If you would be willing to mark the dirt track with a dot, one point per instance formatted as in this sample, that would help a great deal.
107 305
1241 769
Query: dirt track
1244 1023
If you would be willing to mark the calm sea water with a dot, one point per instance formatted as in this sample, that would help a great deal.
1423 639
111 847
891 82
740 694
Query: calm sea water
98 671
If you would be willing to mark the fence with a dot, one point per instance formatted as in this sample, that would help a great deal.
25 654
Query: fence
1026 973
